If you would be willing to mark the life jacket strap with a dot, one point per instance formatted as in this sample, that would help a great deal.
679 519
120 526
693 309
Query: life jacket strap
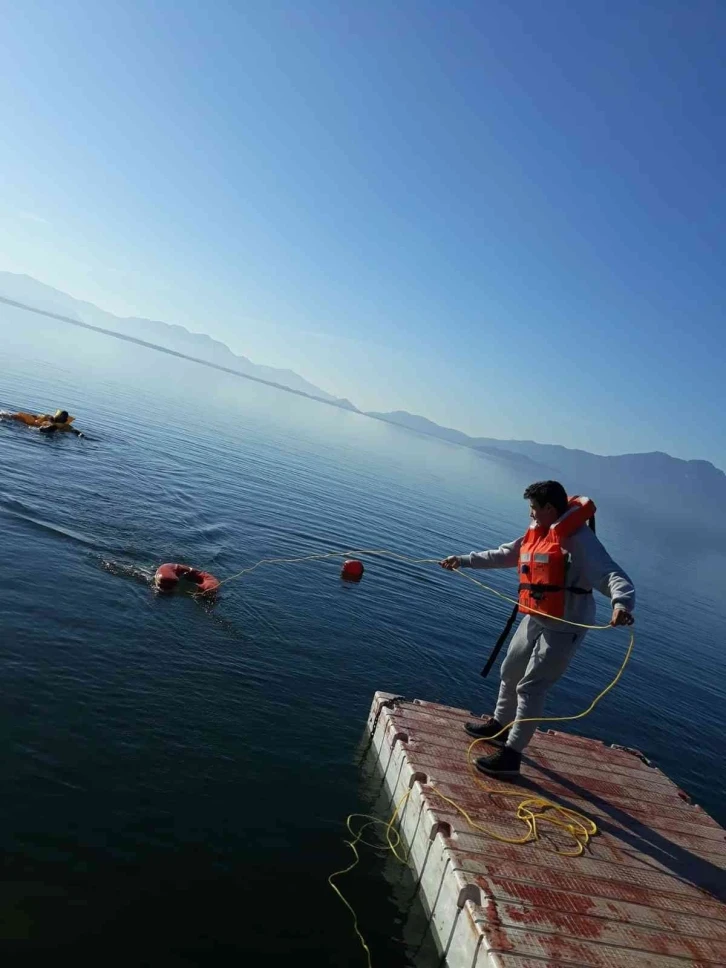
538 590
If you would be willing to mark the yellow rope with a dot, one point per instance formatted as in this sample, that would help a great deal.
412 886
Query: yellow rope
530 611
384 553
532 811
329 554
393 845
580 827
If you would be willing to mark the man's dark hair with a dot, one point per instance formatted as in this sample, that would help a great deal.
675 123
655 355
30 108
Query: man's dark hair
61 416
548 492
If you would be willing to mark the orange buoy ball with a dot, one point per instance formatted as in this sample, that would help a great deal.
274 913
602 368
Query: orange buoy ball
352 570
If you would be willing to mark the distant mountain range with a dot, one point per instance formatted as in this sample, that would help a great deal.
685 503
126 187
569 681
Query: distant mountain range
169 337
654 480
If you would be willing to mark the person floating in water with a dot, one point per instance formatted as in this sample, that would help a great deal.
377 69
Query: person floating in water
560 561
45 423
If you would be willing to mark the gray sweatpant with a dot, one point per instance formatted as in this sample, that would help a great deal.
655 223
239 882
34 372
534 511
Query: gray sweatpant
535 660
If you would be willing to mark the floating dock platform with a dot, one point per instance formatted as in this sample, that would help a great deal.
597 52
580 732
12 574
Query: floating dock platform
648 892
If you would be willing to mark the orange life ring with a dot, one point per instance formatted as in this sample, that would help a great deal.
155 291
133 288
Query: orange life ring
167 578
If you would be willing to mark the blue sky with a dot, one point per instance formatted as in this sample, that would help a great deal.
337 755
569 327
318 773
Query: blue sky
508 217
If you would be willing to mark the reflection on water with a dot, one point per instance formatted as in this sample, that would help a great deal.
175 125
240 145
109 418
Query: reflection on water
180 773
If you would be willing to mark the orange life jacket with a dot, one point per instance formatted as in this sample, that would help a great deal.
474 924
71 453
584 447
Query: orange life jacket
42 420
543 562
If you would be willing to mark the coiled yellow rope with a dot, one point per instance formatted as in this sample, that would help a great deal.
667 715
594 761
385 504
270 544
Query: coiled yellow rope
532 811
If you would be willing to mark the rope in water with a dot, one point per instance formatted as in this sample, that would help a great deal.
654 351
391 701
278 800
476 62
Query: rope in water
392 845
329 554
532 811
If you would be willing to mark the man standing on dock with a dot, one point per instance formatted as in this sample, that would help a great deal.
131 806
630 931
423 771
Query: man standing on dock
560 562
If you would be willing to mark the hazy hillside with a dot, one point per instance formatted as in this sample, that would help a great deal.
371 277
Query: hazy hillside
25 289
653 479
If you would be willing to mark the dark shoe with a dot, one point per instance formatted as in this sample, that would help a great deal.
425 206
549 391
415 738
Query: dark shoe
486 728
505 762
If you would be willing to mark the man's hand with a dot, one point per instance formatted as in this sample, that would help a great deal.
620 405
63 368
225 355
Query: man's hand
621 616
451 563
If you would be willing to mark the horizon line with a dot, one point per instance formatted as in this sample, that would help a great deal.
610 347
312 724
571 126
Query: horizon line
346 406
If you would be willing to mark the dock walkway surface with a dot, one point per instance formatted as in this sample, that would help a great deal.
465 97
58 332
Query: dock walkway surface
649 890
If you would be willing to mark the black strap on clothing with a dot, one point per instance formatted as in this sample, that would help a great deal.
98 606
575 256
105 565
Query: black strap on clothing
537 590
500 642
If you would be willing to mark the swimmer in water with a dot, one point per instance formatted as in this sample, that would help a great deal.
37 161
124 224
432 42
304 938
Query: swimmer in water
59 422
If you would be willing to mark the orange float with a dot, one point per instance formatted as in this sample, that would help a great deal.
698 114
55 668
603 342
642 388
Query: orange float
168 576
352 570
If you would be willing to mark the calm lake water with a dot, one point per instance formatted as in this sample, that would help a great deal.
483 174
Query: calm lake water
177 777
